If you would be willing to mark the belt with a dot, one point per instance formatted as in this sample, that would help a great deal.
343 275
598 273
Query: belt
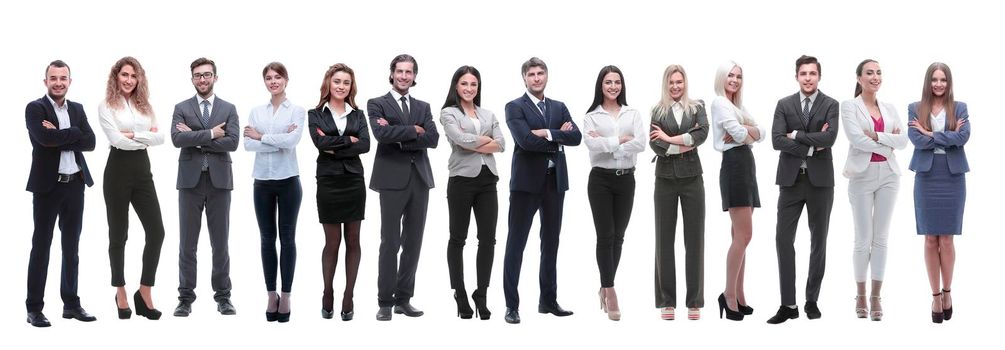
66 178
616 172
802 171
550 171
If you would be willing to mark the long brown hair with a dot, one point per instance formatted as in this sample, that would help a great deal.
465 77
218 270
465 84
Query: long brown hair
326 85
140 97
928 98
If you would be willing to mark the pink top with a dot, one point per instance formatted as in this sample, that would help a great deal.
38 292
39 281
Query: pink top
877 126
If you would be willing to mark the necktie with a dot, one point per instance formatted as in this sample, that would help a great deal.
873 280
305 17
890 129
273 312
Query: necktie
404 107
544 111
205 112
806 108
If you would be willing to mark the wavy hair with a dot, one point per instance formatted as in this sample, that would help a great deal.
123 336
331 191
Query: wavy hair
326 85
664 107
140 98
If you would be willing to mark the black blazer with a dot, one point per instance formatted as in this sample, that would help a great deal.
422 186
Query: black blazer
398 145
788 117
46 144
686 164
531 153
345 160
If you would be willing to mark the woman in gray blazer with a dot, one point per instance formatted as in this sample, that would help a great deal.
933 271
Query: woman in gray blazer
474 135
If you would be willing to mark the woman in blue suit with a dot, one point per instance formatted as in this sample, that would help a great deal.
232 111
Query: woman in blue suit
939 130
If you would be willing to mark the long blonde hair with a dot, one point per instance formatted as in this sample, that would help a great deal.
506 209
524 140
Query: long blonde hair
666 101
720 90
140 96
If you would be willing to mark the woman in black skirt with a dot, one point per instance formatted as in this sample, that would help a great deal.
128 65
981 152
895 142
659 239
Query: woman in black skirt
339 131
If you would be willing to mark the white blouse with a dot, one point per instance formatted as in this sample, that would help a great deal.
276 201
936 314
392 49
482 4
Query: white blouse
727 118
938 122
276 152
606 151
115 121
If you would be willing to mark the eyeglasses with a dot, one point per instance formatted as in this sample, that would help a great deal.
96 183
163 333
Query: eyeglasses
207 75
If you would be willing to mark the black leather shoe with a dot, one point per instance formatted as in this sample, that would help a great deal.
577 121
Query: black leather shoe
384 313
554 310
37 319
811 309
225 307
512 316
79 314
183 309
784 313
408 310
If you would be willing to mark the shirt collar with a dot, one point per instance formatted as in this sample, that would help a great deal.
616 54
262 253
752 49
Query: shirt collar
813 97
348 109
397 96
211 99
534 99
66 103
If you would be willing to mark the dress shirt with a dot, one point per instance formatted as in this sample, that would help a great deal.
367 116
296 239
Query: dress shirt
938 122
397 100
727 118
67 161
276 152
115 121
342 119
607 151
211 99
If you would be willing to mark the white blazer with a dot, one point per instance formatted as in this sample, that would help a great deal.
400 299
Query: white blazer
856 119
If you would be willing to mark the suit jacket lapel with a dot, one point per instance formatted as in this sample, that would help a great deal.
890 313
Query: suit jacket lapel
50 112
481 120
531 106
194 103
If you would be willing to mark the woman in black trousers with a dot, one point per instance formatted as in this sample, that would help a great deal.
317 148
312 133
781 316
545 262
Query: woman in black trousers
339 131
129 123
474 135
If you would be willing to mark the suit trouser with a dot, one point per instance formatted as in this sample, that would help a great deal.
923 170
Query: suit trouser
522 207
611 197
191 202
690 191
66 202
128 181
464 195
402 221
872 195
818 202
283 196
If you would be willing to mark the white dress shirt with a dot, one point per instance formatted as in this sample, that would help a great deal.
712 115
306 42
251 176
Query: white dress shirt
67 161
341 120
276 152
397 100
938 122
728 119
677 113
115 121
607 151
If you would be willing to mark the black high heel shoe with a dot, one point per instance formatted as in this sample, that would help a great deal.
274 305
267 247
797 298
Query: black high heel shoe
946 313
347 312
143 310
937 317
124 314
463 307
744 309
481 309
730 314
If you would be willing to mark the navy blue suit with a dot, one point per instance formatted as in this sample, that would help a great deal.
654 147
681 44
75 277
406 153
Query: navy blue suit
534 186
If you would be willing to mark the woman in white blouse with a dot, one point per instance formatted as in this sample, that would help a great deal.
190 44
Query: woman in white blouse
733 132
273 132
615 134
873 130
129 123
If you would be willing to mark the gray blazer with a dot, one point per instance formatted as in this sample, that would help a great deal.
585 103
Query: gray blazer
199 144
463 139
687 164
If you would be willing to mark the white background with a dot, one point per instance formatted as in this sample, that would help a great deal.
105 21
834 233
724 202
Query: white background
576 39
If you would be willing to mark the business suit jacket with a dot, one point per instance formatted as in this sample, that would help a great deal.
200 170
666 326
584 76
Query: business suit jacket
789 117
463 138
855 117
398 145
199 143
46 144
532 153
345 160
686 164
950 141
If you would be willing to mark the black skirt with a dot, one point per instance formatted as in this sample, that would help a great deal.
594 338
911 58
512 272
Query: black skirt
341 198
738 179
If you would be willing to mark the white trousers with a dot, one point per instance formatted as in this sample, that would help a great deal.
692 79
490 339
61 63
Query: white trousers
872 195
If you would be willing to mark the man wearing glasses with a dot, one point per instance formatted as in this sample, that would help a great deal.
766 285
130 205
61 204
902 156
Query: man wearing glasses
206 128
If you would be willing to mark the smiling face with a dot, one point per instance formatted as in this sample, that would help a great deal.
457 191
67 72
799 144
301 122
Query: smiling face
403 76
734 81
808 77
536 79
57 82
611 87
127 80
677 85
871 78
203 79
939 83
340 85
275 83
467 88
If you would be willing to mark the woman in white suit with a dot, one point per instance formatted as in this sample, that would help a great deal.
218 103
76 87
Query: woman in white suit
873 130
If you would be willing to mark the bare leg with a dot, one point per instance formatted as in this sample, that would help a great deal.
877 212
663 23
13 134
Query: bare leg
120 297
947 259
145 293
860 300
741 232
933 265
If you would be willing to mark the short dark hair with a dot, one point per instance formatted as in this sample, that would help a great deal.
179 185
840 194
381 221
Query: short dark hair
276 67
201 61
57 64
403 58
531 63
804 59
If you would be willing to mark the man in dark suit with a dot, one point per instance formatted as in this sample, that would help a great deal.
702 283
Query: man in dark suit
404 129
804 130
541 128
59 132
206 128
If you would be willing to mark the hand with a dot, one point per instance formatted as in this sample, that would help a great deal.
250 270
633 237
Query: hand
685 149
826 126
657 134
291 128
625 138
320 133
330 152
593 133
353 139
153 129
871 134
542 133
48 125
896 130
382 122
419 130
182 127
819 149
127 134
959 123
251 133
484 140
728 138
567 126
791 135
218 131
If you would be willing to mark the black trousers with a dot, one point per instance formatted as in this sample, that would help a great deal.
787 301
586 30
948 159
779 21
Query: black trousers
818 202
128 181
522 207
66 202
464 195
690 192
402 222
611 198
283 196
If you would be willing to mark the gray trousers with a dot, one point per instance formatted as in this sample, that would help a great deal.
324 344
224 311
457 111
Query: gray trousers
690 191
818 202
402 222
191 202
